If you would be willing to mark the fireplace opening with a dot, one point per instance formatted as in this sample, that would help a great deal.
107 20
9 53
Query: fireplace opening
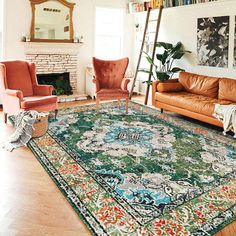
60 82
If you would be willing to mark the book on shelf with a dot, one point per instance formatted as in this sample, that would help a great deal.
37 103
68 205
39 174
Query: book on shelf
144 6
174 3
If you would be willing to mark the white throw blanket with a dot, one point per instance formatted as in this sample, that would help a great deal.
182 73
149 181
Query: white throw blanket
227 115
24 122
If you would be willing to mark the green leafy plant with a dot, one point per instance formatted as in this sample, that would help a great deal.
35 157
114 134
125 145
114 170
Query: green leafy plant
165 70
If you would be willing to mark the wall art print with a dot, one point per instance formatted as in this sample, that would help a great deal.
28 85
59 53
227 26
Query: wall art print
213 41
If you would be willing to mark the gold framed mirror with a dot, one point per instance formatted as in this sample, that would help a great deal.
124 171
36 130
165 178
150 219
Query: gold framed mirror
52 21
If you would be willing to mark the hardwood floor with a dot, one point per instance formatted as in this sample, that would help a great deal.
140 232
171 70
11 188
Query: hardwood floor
30 202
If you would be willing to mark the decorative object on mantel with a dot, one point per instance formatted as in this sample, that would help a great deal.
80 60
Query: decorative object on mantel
61 22
76 37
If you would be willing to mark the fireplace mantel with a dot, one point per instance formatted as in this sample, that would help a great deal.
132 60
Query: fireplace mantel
51 48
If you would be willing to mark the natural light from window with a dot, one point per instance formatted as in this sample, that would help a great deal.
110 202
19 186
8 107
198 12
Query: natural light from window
109 33
1 28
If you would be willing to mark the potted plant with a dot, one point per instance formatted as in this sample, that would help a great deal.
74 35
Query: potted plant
165 70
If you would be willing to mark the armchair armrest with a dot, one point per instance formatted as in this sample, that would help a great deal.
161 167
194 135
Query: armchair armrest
11 100
124 83
14 93
42 90
96 82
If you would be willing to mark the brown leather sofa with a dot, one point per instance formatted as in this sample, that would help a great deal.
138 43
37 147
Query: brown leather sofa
194 95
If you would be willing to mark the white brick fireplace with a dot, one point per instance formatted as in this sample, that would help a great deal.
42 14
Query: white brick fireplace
56 58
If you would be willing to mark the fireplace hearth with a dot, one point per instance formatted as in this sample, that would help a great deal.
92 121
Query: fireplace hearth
60 82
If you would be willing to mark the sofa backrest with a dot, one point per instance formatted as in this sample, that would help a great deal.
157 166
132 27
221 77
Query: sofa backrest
200 84
227 89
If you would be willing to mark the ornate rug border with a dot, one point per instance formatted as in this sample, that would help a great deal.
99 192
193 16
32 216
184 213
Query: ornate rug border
33 147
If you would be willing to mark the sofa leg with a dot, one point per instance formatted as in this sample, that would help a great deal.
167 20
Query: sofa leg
5 117
56 112
162 110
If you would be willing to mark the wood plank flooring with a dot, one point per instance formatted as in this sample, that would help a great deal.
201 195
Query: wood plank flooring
30 202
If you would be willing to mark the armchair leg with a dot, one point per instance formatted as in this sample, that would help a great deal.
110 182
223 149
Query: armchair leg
56 112
119 103
97 105
162 110
5 117
127 105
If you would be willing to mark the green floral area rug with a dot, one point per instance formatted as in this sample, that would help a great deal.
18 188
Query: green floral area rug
143 174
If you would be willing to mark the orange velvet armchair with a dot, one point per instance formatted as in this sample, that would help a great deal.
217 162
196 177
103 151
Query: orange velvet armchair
110 81
20 90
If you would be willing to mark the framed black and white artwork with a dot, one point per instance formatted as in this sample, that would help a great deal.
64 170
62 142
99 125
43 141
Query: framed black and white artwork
213 41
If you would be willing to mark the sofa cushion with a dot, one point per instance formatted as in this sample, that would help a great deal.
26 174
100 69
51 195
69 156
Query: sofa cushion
200 84
169 87
192 102
227 89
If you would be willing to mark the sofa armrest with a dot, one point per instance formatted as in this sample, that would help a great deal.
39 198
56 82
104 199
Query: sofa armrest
96 82
172 81
170 87
42 90
124 83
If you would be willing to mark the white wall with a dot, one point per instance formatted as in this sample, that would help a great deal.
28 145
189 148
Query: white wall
180 24
86 28
18 20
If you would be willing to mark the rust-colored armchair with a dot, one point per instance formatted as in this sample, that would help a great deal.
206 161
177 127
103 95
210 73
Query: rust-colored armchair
109 80
20 90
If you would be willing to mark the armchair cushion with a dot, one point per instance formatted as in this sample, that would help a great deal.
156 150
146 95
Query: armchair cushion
42 90
34 101
18 77
112 93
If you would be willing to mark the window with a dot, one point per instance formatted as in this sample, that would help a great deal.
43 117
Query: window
109 33
1 29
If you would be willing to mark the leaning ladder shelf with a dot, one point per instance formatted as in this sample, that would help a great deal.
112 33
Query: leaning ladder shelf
141 51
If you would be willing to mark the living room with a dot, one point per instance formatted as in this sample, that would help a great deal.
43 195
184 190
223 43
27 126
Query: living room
106 132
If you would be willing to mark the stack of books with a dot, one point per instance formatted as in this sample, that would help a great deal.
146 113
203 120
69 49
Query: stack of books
139 7
174 3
